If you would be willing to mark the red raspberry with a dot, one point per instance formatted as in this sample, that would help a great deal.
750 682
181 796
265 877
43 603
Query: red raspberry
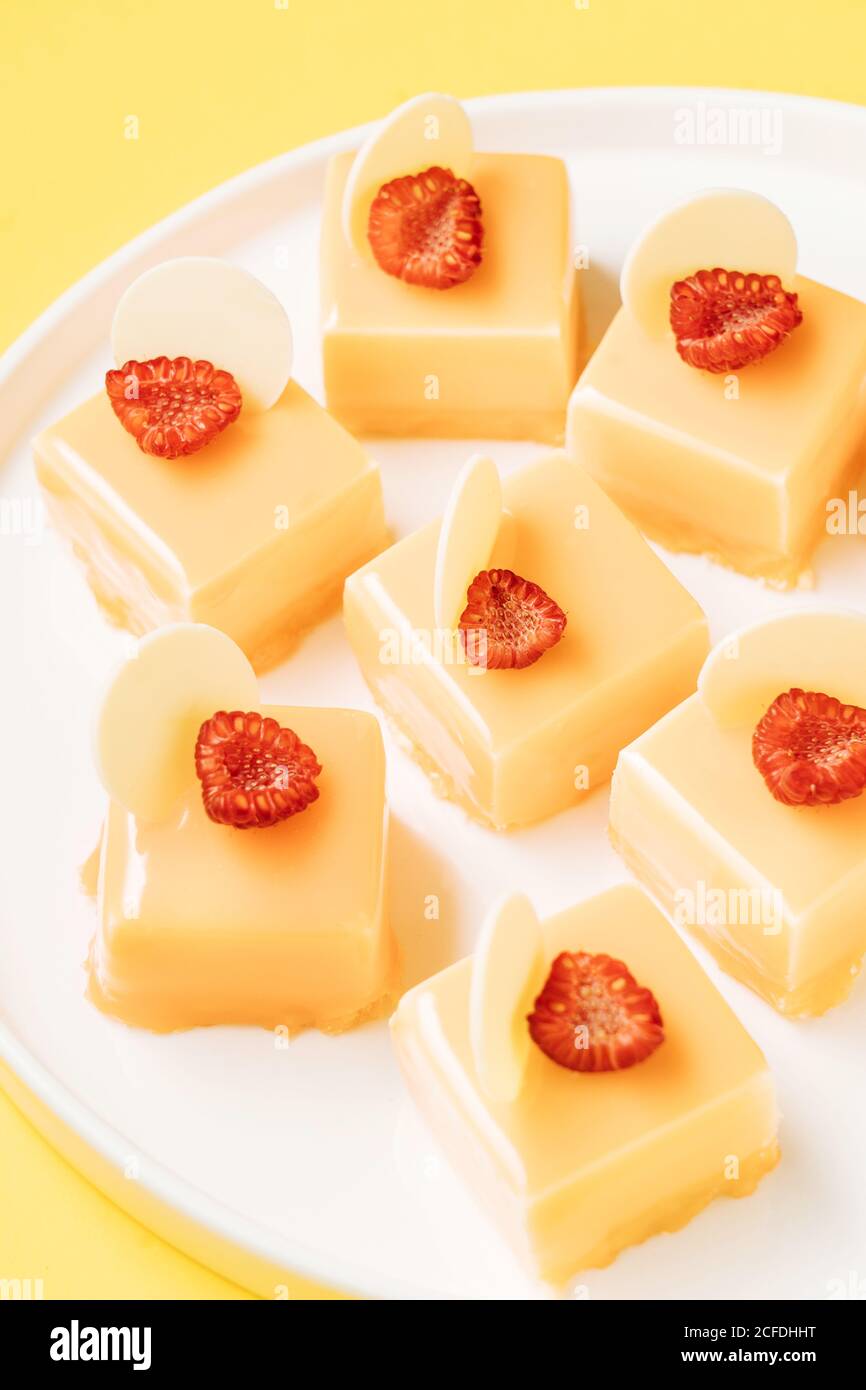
592 1015
508 621
426 229
253 772
173 406
810 749
724 320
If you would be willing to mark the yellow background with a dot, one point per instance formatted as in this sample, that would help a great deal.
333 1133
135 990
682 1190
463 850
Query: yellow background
219 85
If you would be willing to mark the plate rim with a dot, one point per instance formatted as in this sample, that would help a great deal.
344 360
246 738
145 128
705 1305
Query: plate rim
200 1226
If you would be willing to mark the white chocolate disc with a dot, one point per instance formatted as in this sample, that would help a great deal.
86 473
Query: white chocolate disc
820 649
431 129
505 549
721 227
200 307
151 713
507 974
467 536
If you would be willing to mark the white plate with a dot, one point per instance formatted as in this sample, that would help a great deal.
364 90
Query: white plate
260 1161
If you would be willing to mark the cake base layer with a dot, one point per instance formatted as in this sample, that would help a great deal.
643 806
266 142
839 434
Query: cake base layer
155 1014
539 427
441 782
673 1214
821 993
681 535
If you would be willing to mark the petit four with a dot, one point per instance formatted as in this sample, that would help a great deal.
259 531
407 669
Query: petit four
241 868
726 404
203 483
615 1107
741 810
449 295
572 638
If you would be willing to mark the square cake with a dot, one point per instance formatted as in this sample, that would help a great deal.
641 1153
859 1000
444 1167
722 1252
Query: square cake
744 479
775 889
581 1164
255 534
494 357
726 406
285 926
515 746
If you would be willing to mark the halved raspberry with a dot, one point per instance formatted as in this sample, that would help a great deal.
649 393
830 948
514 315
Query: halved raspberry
508 622
426 229
592 1015
253 772
810 749
724 320
171 405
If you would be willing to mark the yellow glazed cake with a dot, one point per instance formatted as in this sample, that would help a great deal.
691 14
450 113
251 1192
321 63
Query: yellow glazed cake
514 746
494 356
279 924
776 890
575 1165
738 462
256 531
